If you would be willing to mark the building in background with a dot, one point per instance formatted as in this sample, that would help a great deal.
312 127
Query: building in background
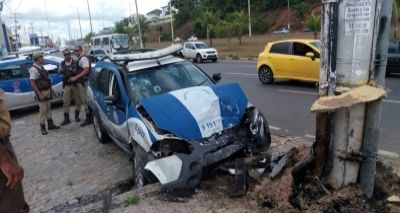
41 41
6 40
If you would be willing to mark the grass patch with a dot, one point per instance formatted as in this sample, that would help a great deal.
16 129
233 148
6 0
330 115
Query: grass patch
251 47
132 200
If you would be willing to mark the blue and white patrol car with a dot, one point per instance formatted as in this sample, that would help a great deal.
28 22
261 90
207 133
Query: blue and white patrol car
171 117
14 80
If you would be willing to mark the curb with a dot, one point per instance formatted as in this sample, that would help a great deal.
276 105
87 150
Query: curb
239 59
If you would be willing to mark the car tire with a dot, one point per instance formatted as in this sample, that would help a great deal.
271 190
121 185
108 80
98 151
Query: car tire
99 131
266 75
214 60
199 59
139 159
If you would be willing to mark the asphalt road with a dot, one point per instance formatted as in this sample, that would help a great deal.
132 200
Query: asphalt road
286 104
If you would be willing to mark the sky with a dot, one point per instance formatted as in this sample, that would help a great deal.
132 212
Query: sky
104 13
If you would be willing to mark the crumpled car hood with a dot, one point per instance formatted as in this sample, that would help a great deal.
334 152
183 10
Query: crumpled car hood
197 112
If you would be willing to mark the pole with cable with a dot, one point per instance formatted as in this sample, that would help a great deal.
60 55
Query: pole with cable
288 7
140 28
79 18
172 21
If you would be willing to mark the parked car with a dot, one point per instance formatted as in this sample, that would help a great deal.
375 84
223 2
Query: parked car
98 53
178 39
281 31
199 52
171 117
14 80
393 63
193 38
297 59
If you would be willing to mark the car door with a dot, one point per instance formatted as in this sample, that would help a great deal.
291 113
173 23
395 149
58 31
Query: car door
118 114
101 93
279 57
303 67
14 80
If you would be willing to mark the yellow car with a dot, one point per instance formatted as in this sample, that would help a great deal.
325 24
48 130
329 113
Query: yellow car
297 59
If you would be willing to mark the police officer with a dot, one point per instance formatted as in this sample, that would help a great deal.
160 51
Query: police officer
82 79
69 68
11 173
41 84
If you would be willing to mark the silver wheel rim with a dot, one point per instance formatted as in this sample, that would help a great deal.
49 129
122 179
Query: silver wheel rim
265 75
97 127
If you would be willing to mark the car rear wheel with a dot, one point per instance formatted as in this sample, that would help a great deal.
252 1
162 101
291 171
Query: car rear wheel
265 75
101 135
199 59
214 60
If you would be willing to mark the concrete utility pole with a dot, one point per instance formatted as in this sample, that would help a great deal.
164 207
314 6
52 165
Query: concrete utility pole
140 28
79 18
249 8
288 9
172 21
354 43
90 16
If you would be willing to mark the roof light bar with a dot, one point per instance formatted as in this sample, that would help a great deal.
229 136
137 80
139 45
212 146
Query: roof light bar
148 55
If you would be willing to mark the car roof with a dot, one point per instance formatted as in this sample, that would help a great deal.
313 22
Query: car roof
296 40
146 64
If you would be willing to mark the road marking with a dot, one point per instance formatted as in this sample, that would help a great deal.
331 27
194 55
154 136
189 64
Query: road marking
391 101
274 128
388 154
238 73
297 92
309 136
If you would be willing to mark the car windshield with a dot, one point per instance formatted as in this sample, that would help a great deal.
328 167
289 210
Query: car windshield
201 46
120 41
163 79
316 44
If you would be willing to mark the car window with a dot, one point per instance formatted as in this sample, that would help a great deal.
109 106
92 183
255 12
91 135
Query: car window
103 82
12 72
280 48
97 42
116 92
99 52
53 71
163 79
106 41
301 49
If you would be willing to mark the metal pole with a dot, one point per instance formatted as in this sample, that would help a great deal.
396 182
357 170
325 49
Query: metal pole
140 28
69 32
373 115
249 8
288 6
172 22
79 18
90 17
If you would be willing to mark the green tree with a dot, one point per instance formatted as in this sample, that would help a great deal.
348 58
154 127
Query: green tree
120 26
207 20
88 37
396 16
239 24
314 24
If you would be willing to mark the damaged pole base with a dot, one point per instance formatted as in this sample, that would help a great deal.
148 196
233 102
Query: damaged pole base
240 186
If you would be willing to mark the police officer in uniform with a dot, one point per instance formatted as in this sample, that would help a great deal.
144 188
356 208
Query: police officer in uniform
69 68
82 78
11 173
41 84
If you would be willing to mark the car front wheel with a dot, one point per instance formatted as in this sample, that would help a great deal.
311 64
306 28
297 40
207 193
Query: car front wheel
139 160
265 75
199 59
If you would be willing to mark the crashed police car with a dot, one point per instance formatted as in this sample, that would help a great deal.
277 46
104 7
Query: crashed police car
171 117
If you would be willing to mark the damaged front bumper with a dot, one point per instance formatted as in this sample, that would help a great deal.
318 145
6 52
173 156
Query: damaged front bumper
185 170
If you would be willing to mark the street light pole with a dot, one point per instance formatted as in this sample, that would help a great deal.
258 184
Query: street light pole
79 18
172 21
140 28
249 8
90 17
288 7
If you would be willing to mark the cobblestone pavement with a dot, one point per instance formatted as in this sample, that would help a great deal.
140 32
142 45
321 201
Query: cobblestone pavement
66 164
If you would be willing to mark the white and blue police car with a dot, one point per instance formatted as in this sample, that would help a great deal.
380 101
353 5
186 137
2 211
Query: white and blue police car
14 80
171 117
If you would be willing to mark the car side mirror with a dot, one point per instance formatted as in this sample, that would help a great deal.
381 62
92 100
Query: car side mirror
110 100
217 77
311 55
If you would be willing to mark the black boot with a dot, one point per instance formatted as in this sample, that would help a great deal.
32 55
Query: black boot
66 119
51 125
77 119
43 129
87 121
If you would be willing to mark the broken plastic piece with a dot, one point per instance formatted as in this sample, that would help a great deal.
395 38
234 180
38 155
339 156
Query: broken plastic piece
166 169
239 188
279 167
363 94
